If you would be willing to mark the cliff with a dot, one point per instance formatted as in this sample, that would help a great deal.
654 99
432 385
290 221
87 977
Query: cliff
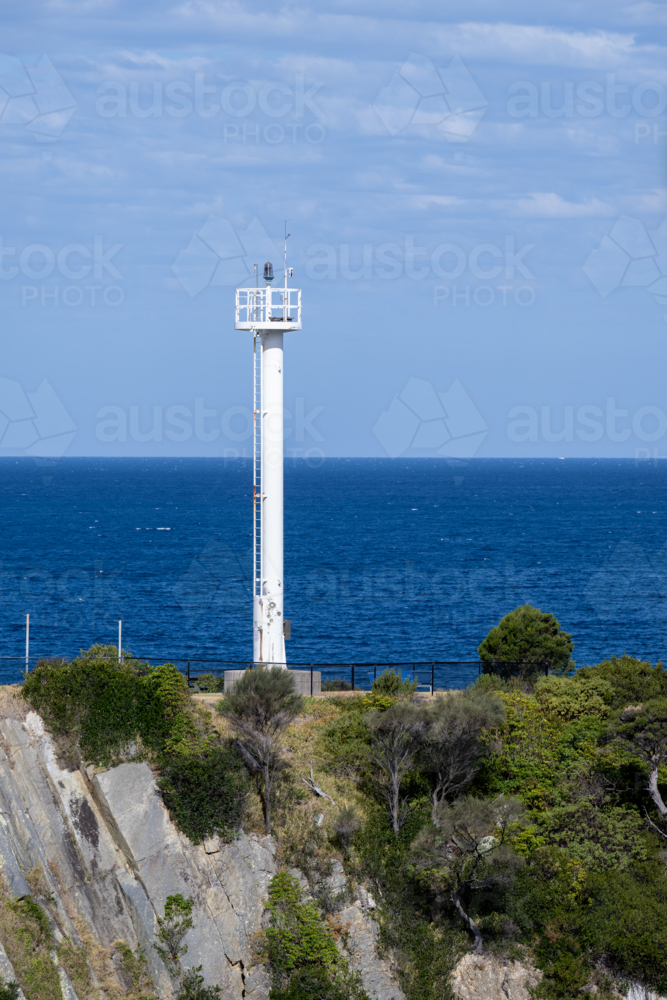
100 854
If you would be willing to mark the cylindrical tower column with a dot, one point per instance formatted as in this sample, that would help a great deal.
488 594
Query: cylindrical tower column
273 640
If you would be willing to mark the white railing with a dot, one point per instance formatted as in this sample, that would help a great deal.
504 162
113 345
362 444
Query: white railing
268 308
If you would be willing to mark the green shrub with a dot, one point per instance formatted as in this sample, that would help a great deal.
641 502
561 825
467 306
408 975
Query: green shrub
344 742
103 711
26 935
612 837
391 683
302 951
209 683
337 684
9 991
205 794
192 987
314 984
633 681
296 937
564 699
625 922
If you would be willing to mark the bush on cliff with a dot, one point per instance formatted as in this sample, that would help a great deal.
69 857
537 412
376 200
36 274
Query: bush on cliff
103 712
301 949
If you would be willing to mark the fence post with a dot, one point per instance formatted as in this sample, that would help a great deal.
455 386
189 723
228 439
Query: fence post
433 678
375 672
188 673
311 680
352 665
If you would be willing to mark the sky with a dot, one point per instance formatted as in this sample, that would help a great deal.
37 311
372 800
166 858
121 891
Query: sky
475 197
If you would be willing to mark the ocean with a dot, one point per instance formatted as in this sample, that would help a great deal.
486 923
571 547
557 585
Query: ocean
386 560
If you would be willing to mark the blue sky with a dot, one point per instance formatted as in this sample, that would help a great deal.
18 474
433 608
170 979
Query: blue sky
475 200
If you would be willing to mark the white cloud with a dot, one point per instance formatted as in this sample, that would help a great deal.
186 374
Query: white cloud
552 205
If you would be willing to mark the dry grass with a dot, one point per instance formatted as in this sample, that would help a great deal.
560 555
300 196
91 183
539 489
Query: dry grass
12 704
301 842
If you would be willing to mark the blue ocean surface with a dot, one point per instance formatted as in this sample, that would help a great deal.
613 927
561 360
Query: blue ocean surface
386 560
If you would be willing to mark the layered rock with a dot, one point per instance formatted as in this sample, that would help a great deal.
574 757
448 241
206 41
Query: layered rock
109 856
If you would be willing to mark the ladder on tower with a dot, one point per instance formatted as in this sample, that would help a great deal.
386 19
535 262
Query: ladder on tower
257 467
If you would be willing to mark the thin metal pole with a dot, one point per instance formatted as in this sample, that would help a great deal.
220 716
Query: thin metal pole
188 673
27 643
120 639
352 665
432 678
311 680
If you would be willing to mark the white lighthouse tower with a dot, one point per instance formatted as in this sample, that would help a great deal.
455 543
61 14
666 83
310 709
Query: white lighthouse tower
268 312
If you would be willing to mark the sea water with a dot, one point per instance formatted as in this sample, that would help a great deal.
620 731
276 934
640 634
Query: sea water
386 560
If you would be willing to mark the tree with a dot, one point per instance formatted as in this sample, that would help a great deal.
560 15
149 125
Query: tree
395 738
642 729
528 635
466 851
451 750
259 707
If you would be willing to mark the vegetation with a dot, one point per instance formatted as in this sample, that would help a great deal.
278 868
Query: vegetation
302 951
103 712
259 707
527 636
172 928
521 817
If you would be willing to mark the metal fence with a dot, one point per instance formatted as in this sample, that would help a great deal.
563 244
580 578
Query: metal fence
207 674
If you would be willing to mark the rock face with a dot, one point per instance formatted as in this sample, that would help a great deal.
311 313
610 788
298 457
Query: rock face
109 857
361 933
481 977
